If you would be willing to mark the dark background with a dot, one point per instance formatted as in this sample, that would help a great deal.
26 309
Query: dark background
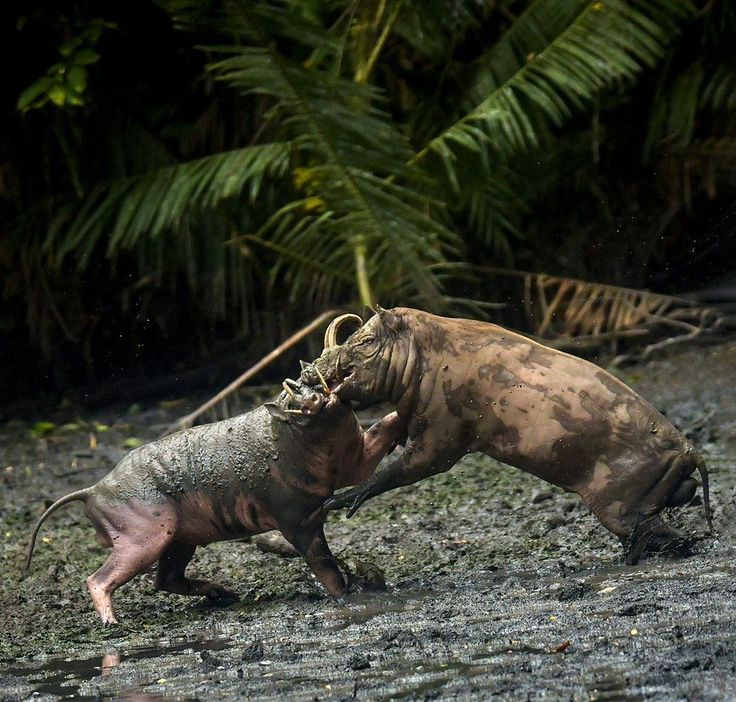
635 188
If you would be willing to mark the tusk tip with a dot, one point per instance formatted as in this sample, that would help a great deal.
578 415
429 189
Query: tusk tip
323 382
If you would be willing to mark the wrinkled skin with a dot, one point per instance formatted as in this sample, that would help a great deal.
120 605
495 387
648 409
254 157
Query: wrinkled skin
271 468
464 386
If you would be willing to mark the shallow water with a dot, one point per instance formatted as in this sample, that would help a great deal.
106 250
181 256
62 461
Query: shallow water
62 677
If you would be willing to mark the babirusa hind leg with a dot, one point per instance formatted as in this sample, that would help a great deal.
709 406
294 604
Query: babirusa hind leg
129 557
171 575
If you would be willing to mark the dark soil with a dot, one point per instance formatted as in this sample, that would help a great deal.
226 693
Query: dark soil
498 584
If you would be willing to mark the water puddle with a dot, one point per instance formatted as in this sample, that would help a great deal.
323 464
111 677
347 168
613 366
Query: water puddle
63 677
612 685
419 678
605 580
362 607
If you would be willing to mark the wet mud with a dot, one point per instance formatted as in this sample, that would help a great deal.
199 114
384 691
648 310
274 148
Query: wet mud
497 583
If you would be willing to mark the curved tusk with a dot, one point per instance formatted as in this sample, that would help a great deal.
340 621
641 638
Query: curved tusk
325 386
335 324
289 391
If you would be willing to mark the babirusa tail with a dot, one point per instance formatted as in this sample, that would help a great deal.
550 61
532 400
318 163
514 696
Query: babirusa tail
700 463
71 497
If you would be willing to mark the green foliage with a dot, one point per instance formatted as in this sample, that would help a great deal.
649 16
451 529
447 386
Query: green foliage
354 166
156 201
362 204
65 82
603 45
692 115
41 429
335 152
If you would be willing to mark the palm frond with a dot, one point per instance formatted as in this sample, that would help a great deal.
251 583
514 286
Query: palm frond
607 43
486 203
528 35
719 89
354 161
676 105
148 204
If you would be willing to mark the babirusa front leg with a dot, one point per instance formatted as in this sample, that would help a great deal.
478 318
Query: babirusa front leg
376 442
312 544
414 464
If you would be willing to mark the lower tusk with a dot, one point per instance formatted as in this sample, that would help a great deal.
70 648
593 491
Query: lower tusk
294 412
325 386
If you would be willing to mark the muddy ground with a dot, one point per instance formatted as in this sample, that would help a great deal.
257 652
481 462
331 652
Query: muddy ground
497 584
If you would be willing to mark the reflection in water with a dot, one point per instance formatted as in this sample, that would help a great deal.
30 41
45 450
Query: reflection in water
362 607
110 660
613 685
64 677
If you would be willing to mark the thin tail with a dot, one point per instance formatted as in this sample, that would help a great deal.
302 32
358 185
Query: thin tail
71 497
700 463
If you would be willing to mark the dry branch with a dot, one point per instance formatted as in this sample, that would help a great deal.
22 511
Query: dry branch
224 394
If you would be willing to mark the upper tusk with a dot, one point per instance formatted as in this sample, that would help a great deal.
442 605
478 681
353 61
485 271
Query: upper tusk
331 331
322 380
289 391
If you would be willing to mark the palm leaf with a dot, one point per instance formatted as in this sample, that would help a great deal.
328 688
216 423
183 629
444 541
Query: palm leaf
676 105
161 199
719 91
528 35
606 43
355 162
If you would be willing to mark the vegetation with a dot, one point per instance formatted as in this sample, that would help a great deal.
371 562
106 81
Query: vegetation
199 170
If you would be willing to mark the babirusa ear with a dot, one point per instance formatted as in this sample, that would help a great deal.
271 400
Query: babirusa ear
275 411
389 319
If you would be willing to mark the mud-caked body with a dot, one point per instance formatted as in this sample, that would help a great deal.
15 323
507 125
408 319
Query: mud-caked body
463 386
271 468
